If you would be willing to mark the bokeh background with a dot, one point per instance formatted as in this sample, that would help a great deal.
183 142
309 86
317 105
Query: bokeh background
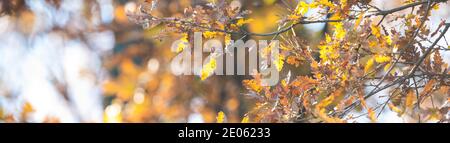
84 61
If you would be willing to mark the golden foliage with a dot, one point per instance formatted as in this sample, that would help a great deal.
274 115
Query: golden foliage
302 8
220 117
254 85
339 31
321 108
410 99
369 65
242 21
245 120
183 44
208 69
382 59
279 62
375 31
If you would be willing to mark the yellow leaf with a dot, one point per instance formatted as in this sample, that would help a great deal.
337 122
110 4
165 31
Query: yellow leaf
326 3
410 98
279 63
388 40
322 111
227 39
436 6
242 21
382 59
360 17
313 5
373 44
327 38
27 107
375 30
387 67
369 65
395 109
245 120
208 69
209 34
344 77
302 8
183 44
220 117
339 31
371 115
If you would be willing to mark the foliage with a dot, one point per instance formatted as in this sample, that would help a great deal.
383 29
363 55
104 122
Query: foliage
361 56
365 61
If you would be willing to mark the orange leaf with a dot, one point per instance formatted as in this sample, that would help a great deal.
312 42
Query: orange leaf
428 88
410 98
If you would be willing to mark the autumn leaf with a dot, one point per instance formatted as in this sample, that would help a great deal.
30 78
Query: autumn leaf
438 61
220 117
382 59
360 18
369 65
371 115
395 109
279 62
375 30
243 21
327 38
410 98
436 6
227 39
27 107
292 60
183 44
208 69
328 53
322 105
387 67
326 3
209 34
339 31
245 120
428 88
388 40
253 85
302 8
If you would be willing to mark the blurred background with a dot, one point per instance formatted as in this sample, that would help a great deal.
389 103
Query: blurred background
84 61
